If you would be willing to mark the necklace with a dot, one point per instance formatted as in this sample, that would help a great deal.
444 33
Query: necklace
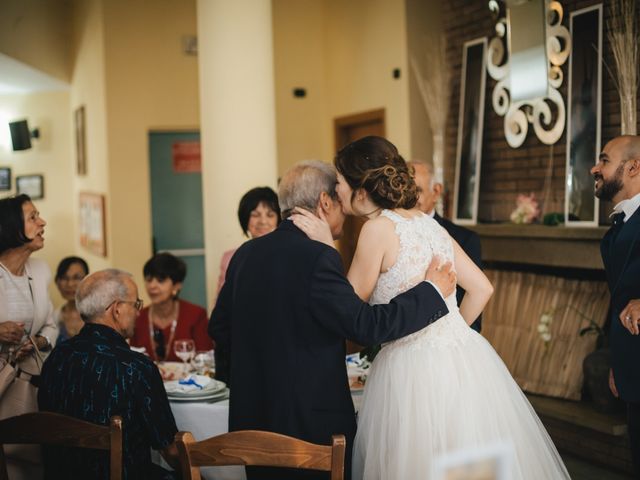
168 344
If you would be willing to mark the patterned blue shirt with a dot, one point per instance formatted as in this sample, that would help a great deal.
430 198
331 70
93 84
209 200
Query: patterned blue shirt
94 376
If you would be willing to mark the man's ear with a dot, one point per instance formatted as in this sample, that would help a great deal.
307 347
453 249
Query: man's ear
324 203
437 191
634 168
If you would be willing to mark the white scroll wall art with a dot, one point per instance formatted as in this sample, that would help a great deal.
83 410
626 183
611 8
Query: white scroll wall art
545 112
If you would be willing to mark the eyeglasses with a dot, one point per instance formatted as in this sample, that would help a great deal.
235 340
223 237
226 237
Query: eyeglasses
137 304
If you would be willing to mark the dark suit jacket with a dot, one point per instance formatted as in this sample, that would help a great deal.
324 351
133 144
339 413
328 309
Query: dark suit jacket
280 325
621 258
470 243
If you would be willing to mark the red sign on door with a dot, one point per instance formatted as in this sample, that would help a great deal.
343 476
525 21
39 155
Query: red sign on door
186 157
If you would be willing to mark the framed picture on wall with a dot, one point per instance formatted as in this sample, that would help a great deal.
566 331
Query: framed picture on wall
584 116
81 140
470 127
5 179
32 185
92 223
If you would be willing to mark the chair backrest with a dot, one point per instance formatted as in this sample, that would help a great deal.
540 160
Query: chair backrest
46 428
267 449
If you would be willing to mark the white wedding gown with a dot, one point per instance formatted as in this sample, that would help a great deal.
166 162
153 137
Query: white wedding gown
442 388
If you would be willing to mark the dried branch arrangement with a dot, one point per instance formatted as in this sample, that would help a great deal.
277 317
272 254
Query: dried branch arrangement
622 31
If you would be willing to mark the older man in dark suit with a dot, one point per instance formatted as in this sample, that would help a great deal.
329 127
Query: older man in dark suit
617 178
282 317
430 191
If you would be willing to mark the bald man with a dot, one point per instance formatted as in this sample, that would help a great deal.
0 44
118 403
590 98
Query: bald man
430 191
617 178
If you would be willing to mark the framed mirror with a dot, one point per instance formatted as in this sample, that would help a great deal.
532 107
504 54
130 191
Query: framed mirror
470 128
529 76
584 116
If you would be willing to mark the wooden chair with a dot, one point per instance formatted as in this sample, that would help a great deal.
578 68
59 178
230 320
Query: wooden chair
266 449
55 429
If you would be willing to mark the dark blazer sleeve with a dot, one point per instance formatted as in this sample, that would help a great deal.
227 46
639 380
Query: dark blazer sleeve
335 305
220 331
472 249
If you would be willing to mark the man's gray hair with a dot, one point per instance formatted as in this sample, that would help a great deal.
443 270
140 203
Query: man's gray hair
99 290
430 171
303 183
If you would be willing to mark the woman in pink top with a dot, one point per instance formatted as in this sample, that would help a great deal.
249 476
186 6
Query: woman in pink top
259 214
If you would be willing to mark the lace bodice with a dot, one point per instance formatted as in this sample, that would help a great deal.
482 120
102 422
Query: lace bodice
421 238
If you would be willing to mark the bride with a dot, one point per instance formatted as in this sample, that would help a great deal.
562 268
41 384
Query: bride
443 388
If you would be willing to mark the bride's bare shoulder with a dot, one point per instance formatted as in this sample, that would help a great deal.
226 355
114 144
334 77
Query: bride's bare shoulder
380 224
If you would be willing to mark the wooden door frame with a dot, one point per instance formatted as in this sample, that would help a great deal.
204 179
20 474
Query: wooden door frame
342 124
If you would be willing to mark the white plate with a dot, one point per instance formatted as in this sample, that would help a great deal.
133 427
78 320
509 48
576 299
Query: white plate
210 385
220 395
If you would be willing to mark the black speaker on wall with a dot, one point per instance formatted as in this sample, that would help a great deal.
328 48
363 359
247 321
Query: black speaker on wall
21 136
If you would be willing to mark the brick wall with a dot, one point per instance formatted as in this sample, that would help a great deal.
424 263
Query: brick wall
506 172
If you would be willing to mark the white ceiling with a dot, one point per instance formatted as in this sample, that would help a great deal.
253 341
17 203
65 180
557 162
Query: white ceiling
18 77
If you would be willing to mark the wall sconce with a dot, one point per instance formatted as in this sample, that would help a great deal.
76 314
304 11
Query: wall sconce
21 135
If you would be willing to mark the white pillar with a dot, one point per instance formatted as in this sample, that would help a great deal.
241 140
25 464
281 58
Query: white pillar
237 116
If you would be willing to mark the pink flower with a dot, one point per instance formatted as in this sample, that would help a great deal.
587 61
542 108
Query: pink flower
527 209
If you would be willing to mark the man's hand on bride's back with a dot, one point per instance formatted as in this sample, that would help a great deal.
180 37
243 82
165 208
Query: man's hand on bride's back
442 276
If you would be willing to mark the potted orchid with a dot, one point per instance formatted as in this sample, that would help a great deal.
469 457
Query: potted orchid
595 365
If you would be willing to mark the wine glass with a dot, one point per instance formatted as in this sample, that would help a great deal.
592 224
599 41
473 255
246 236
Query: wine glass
185 350
204 362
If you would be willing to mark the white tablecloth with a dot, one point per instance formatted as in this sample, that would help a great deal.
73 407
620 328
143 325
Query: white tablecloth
206 420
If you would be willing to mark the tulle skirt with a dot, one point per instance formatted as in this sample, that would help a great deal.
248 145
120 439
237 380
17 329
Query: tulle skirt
440 390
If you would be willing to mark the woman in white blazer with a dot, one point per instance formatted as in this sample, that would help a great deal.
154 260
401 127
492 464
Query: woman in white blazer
25 307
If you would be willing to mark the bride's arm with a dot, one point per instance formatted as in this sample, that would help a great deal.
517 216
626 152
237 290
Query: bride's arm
477 286
367 260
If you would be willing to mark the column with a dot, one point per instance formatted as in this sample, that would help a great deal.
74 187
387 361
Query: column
237 116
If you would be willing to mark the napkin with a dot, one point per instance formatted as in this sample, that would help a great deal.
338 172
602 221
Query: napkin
192 383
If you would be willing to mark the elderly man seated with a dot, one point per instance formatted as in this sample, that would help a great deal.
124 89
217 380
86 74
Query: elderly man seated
95 375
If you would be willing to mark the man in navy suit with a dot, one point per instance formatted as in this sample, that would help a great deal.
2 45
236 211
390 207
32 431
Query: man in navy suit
430 191
282 317
617 178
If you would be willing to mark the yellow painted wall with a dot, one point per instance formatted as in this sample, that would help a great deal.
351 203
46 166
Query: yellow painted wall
344 53
424 20
304 129
365 41
49 157
149 85
88 89
37 32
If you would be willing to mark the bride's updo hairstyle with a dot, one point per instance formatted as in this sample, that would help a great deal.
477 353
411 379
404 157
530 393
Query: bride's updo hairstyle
374 164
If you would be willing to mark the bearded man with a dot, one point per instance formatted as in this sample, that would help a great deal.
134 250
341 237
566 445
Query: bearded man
617 179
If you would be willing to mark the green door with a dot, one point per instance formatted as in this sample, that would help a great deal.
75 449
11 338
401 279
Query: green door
176 205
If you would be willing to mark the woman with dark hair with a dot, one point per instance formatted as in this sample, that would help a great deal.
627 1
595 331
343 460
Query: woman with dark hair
27 326
70 272
442 388
259 214
168 318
